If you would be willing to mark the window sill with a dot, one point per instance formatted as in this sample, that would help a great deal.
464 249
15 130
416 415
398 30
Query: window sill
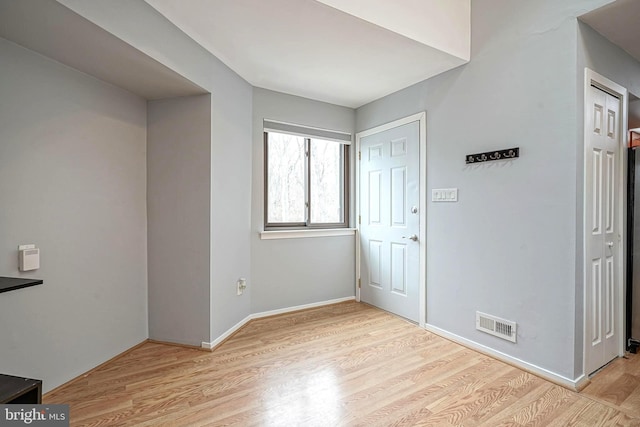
303 234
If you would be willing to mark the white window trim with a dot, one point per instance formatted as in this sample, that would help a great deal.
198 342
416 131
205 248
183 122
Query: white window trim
303 234
309 133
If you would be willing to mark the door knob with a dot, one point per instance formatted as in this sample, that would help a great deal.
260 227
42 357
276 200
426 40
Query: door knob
412 237
610 244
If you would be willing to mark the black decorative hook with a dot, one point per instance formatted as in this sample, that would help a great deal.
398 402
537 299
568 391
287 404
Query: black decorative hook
509 153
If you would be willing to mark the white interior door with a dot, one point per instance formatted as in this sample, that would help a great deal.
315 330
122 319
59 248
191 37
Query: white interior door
390 220
602 240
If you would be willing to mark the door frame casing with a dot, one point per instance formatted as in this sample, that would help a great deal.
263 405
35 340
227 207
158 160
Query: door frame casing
591 78
422 146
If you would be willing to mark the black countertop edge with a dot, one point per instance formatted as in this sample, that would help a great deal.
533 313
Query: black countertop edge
12 387
12 283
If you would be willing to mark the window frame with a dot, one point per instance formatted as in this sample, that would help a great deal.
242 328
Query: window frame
308 225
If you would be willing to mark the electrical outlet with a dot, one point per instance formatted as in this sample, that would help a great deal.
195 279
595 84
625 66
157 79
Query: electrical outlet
241 285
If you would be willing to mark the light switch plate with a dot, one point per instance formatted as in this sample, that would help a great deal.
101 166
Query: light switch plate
444 195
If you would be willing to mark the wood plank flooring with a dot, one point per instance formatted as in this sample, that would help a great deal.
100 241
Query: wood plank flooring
618 385
342 365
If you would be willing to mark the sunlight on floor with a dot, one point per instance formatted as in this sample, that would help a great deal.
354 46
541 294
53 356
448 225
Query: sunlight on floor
318 401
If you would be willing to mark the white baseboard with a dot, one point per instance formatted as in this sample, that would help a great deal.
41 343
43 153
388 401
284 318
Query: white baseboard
581 382
211 345
560 380
300 307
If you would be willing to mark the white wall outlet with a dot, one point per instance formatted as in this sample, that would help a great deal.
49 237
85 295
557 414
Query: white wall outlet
444 195
28 258
241 285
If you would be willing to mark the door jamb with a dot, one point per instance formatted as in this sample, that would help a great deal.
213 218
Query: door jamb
591 78
422 142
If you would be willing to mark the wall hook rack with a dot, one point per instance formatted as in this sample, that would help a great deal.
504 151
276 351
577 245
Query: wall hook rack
506 154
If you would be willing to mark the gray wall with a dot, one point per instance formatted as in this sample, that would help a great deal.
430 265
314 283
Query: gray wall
507 247
231 151
600 55
72 181
178 209
138 24
293 272
141 26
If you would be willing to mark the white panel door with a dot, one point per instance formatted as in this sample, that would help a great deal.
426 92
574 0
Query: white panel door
602 229
390 220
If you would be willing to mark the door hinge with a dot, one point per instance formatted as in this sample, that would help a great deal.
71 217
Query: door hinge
359 219
359 283
359 155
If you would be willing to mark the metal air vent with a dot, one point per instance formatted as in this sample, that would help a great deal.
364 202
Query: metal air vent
496 326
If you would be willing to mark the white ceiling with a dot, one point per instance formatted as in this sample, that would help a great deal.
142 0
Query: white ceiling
331 50
619 22
444 25
51 29
336 51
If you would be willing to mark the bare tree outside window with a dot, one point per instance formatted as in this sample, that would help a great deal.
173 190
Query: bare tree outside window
305 181
285 180
326 182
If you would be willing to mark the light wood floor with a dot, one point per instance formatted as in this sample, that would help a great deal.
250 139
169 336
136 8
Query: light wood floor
346 364
618 385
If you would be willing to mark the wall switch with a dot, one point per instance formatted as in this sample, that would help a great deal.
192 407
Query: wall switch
241 285
444 195
28 257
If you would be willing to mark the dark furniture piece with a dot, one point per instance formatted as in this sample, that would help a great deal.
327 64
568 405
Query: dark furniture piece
20 390
11 283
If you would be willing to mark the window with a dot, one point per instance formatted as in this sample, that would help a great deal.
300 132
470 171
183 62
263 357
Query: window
305 179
